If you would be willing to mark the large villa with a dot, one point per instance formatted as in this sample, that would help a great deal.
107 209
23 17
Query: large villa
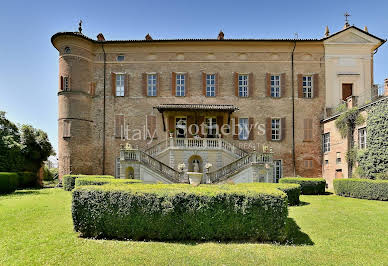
236 110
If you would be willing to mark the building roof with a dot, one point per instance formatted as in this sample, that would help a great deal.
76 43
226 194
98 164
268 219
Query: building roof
179 40
354 27
202 107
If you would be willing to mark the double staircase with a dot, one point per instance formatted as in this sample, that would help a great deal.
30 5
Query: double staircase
243 159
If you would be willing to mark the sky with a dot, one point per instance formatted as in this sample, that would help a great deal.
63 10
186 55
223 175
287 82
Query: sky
29 62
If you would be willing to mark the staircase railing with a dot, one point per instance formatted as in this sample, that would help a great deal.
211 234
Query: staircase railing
225 172
196 143
158 166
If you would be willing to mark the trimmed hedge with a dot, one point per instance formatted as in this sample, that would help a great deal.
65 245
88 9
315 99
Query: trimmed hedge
8 182
292 190
308 186
180 212
96 181
27 180
362 188
68 181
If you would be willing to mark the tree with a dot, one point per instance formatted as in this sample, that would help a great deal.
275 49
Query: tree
22 149
346 124
374 159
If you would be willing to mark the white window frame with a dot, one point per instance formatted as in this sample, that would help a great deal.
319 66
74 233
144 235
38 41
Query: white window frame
66 84
151 84
275 86
210 85
243 128
120 84
362 138
211 126
243 85
117 167
277 170
308 86
326 142
338 159
180 88
276 129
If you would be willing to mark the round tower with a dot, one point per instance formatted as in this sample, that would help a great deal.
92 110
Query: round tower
75 124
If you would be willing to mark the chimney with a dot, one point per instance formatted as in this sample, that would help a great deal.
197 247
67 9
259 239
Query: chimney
100 37
385 87
327 32
351 102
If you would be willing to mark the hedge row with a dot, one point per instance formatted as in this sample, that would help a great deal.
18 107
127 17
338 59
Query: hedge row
68 181
362 188
98 181
292 190
180 212
27 180
8 182
309 186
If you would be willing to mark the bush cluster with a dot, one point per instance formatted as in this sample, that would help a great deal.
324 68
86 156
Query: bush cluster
292 190
8 182
180 212
382 176
98 181
362 188
309 186
68 181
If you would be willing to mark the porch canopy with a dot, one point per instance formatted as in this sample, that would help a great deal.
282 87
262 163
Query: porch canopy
196 108
200 107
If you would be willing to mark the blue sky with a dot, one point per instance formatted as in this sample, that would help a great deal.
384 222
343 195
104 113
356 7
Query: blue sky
29 63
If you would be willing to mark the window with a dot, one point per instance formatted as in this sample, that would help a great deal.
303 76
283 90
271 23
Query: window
211 127
326 162
243 85
117 175
308 164
180 85
151 85
66 84
67 50
180 126
120 58
308 129
307 87
338 159
326 142
243 129
210 85
275 129
66 129
275 86
362 138
277 170
120 84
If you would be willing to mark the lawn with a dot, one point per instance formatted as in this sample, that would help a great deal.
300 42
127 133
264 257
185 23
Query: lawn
36 228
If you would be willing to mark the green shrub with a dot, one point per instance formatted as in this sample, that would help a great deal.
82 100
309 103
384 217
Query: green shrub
292 190
180 212
362 188
8 182
68 181
382 176
27 180
96 181
309 186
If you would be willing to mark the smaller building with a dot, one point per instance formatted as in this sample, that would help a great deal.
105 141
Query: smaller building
335 147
